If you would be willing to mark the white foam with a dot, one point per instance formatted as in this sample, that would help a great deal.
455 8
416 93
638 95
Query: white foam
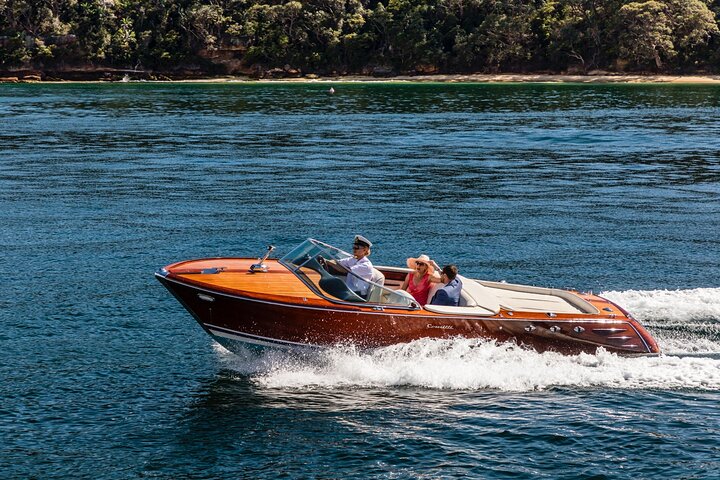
465 364
669 305
683 321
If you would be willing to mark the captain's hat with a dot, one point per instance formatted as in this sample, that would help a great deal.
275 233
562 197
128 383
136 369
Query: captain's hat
360 240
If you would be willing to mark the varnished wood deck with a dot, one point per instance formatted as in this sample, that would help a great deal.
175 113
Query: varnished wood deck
235 277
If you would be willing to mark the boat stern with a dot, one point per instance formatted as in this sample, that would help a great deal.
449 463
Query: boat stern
642 340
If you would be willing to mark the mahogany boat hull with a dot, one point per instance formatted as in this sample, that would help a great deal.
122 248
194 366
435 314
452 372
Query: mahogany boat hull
234 318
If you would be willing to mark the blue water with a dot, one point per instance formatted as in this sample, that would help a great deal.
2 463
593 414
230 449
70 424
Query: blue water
614 189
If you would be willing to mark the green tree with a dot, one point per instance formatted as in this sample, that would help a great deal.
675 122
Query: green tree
570 32
205 24
356 35
503 38
412 37
655 30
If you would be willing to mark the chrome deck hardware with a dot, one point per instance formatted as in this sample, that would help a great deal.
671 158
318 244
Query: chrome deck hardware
260 266
205 298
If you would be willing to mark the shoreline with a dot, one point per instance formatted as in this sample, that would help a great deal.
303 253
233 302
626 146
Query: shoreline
501 78
604 78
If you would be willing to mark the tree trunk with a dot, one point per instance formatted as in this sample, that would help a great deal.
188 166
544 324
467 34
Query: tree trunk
658 62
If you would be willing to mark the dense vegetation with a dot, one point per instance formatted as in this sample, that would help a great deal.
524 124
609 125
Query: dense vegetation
362 36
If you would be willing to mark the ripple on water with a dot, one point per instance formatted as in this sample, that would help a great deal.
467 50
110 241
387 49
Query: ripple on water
610 188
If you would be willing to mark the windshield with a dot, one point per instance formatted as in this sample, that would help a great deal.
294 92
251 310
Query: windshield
315 263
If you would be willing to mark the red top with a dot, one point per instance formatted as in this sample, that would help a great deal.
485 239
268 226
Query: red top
420 291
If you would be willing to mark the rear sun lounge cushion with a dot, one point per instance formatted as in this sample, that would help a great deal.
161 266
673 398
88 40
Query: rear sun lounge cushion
539 299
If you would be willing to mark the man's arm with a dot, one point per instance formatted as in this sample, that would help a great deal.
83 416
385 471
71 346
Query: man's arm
335 267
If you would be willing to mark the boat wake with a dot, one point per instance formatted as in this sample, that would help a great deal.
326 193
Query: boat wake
682 321
686 324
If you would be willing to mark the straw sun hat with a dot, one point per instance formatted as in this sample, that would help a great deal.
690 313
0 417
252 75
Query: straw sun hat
422 258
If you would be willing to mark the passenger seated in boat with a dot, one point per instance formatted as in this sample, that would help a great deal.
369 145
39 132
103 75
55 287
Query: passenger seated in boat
449 294
418 282
360 265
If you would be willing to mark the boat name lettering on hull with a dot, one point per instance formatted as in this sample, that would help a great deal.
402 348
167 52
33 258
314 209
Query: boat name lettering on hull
442 327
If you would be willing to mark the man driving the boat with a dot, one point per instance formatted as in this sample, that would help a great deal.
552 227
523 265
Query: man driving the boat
360 265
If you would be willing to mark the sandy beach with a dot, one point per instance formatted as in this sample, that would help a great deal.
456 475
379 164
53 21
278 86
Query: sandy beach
601 78
491 78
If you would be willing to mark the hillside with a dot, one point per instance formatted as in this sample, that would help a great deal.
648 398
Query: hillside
81 39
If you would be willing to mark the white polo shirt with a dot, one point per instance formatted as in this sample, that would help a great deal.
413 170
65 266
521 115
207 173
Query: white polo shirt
362 268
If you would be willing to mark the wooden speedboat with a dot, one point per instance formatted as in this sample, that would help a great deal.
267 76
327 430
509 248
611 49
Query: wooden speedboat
296 301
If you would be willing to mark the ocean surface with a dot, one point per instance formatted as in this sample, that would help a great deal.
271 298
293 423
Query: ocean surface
609 188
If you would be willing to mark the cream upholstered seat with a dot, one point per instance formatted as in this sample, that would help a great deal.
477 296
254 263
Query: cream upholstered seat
475 299
484 298
433 290
377 277
375 294
473 294
475 311
541 300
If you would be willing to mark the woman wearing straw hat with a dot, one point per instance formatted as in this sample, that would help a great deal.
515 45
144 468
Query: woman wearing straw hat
418 282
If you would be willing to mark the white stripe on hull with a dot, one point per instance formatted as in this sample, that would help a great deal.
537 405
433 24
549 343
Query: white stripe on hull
255 339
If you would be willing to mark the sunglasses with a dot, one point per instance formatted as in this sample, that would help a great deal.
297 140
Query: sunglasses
358 246
420 264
